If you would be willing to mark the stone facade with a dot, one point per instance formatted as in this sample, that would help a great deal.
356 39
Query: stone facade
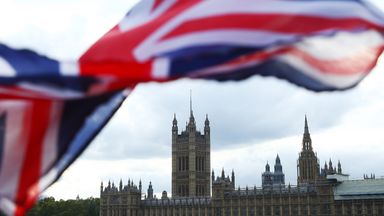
325 191
191 152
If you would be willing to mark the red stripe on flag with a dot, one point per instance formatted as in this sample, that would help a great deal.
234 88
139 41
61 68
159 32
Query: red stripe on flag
113 53
356 63
156 4
282 23
36 124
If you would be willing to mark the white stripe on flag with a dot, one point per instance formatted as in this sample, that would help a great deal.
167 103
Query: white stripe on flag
333 80
69 68
213 37
341 45
332 9
14 148
160 68
6 70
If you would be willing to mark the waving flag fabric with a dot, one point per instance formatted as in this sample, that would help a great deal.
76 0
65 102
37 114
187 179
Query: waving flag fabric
320 45
51 110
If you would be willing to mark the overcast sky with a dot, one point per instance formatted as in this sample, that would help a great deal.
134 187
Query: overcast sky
251 121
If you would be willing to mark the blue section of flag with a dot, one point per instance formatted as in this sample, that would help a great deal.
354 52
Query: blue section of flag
81 121
41 71
29 63
276 69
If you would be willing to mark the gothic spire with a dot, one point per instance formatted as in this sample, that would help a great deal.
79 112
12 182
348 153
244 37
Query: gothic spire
307 142
191 123
190 103
339 170
277 159
174 119
267 168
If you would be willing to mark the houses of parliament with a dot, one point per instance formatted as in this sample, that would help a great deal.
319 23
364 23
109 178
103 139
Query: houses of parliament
196 191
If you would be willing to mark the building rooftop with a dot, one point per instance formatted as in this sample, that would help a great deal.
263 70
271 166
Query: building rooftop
360 189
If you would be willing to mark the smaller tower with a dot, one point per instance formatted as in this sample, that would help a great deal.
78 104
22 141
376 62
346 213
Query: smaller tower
339 170
266 177
174 125
213 176
233 178
278 175
121 185
206 126
140 186
150 191
101 186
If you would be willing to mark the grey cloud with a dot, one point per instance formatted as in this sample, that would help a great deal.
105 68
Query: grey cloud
253 111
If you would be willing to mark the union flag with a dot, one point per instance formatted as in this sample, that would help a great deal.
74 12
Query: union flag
51 110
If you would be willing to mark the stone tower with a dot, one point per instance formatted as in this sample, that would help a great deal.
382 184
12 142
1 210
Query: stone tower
278 175
308 169
191 160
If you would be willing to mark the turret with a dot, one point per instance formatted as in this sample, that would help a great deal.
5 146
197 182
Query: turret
339 170
213 176
140 186
330 166
267 168
174 125
150 191
278 175
101 186
233 179
206 125
266 178
222 174
278 167
121 185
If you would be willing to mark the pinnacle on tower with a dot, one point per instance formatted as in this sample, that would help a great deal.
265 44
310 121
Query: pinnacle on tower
191 123
174 119
339 170
307 142
190 102
306 130
233 178
277 159
267 168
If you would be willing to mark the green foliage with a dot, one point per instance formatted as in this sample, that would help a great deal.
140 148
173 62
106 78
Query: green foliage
50 207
